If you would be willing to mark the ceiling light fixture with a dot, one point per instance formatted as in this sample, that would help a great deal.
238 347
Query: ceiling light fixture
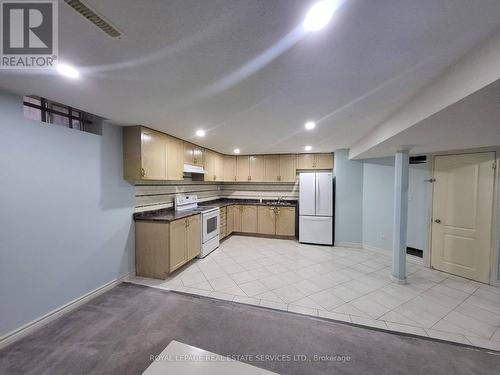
200 133
319 15
67 71
310 125
236 150
308 148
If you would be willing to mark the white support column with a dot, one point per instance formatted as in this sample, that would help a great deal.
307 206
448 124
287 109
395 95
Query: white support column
400 217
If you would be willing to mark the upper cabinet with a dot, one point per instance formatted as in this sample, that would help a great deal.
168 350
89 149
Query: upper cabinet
152 155
272 168
175 159
280 168
256 164
315 161
214 166
193 154
242 168
144 154
288 168
229 168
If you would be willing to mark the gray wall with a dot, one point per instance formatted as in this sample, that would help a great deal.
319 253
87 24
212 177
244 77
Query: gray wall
349 199
365 202
65 214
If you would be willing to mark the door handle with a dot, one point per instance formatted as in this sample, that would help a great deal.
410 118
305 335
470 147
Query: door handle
437 221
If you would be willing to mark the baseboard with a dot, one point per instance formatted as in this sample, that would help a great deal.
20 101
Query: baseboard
354 245
410 258
38 323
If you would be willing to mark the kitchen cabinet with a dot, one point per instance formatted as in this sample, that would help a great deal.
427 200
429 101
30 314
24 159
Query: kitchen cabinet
161 248
178 243
266 221
285 221
237 213
288 168
175 159
271 168
242 168
223 222
193 237
144 154
193 154
209 166
185 241
230 219
218 167
256 165
229 167
315 161
249 219
276 220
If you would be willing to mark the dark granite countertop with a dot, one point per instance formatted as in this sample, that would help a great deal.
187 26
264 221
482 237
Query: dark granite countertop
169 214
224 202
165 214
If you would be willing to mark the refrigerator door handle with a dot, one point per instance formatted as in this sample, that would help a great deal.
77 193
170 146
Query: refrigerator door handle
317 190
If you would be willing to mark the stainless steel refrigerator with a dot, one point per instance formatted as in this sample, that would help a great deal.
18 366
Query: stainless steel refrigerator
316 208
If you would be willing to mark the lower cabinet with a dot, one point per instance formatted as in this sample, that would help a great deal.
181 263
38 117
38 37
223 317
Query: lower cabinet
162 247
249 219
223 223
276 220
266 220
230 219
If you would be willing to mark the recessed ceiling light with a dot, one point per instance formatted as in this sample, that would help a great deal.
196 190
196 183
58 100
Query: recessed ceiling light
310 125
67 70
236 150
319 15
200 133
308 148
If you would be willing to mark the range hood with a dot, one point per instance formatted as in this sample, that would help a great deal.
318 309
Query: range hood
188 168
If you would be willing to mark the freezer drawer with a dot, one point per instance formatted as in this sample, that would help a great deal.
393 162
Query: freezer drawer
316 230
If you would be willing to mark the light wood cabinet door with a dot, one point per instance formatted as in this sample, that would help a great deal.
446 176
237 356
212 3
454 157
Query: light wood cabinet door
285 221
153 152
288 168
175 159
193 236
188 153
256 163
230 219
198 156
178 253
229 168
218 167
249 219
271 168
305 161
209 166
324 161
237 214
242 168
266 220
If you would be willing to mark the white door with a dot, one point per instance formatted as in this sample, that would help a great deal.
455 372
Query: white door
307 194
462 212
316 229
324 194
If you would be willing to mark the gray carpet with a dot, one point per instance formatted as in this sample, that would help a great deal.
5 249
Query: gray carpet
117 332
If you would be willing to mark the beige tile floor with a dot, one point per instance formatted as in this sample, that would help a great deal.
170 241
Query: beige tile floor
344 284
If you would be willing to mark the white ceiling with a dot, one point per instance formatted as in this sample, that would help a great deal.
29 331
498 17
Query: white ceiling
473 122
167 72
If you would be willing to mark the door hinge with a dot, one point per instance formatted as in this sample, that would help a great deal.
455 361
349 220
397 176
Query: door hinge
431 180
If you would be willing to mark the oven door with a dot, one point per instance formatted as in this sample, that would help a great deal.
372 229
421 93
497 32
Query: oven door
210 225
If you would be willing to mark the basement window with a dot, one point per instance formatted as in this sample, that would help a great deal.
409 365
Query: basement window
44 110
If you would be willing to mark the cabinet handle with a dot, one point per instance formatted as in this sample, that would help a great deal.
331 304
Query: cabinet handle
279 178
249 178
215 177
143 172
